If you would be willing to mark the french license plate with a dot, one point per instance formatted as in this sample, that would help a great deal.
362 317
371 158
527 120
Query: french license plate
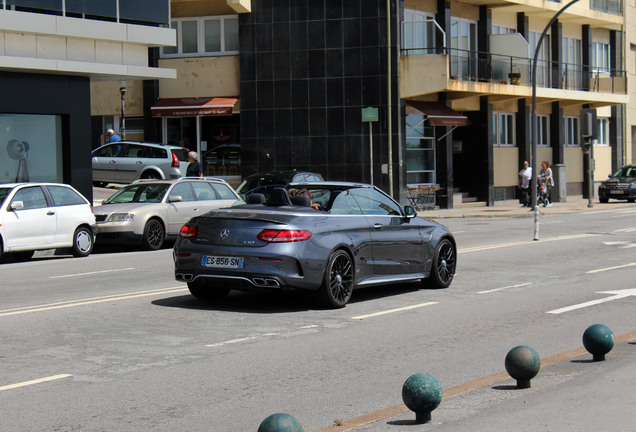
616 192
222 262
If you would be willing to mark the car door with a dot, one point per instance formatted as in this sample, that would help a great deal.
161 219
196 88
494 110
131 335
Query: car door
31 225
181 211
130 163
397 242
206 197
71 210
104 162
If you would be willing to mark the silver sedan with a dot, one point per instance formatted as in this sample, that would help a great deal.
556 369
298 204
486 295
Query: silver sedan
147 212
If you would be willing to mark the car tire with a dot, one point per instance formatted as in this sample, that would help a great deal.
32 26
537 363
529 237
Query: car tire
338 282
603 200
443 267
631 200
154 235
100 184
151 175
207 291
22 255
83 242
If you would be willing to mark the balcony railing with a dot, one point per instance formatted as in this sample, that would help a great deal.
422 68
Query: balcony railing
614 7
503 69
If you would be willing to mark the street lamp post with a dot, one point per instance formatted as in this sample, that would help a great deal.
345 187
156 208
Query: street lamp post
535 164
122 129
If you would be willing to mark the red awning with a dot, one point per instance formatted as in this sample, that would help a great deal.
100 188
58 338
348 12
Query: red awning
439 115
190 107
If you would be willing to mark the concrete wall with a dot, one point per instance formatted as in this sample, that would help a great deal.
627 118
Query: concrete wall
201 76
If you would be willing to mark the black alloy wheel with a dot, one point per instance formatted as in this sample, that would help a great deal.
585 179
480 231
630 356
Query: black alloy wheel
444 263
337 286
207 291
83 242
154 235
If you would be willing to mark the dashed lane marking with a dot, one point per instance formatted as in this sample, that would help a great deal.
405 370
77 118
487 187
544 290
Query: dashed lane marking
91 273
361 317
504 288
32 382
87 301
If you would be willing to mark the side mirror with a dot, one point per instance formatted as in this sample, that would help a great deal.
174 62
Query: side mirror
176 198
17 205
409 212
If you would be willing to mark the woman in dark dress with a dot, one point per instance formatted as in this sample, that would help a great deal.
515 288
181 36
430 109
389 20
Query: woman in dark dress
194 167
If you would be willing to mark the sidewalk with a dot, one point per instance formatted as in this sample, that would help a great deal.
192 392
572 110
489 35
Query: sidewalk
512 208
570 393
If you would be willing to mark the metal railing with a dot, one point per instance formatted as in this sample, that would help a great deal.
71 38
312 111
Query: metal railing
503 69
614 7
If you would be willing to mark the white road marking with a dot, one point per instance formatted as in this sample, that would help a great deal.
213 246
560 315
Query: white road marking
626 230
504 288
361 317
617 295
83 302
92 273
611 268
524 242
35 381
624 245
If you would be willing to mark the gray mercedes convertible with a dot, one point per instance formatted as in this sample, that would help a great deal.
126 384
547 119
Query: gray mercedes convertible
327 237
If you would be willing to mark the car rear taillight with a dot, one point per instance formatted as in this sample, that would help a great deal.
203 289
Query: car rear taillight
175 161
189 231
283 236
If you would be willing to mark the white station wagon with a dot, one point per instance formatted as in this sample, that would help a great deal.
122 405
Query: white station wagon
38 216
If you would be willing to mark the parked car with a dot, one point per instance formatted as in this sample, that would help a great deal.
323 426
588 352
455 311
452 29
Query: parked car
126 161
361 237
147 212
264 182
621 185
38 216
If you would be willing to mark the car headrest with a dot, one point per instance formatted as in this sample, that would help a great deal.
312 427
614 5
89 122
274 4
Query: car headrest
301 200
256 198
279 196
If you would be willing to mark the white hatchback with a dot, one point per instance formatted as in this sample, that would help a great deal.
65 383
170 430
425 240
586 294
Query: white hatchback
38 216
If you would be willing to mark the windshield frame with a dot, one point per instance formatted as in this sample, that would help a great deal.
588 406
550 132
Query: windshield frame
141 190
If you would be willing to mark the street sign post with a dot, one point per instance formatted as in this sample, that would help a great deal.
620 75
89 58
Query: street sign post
370 115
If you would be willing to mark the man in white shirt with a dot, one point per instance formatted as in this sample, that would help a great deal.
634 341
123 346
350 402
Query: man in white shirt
525 179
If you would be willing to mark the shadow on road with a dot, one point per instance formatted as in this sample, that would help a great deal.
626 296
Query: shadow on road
263 302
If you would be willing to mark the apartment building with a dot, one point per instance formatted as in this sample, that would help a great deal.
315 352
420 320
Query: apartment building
394 92
50 53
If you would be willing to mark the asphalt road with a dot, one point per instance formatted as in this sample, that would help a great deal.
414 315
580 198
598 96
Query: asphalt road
112 342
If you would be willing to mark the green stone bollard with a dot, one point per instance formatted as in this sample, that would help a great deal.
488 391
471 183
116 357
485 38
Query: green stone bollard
598 340
280 423
523 364
421 394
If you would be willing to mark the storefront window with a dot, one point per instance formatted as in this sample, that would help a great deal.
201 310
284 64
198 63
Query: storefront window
31 147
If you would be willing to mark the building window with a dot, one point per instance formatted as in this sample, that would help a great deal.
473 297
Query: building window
572 137
600 57
543 60
204 36
543 130
571 78
463 48
420 150
503 129
603 131
33 149
419 29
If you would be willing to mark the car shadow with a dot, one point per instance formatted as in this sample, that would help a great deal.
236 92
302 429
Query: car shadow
243 301
268 302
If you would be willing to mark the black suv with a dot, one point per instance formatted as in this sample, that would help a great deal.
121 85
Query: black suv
264 182
621 185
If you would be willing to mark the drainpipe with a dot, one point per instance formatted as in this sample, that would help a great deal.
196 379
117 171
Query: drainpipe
389 85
